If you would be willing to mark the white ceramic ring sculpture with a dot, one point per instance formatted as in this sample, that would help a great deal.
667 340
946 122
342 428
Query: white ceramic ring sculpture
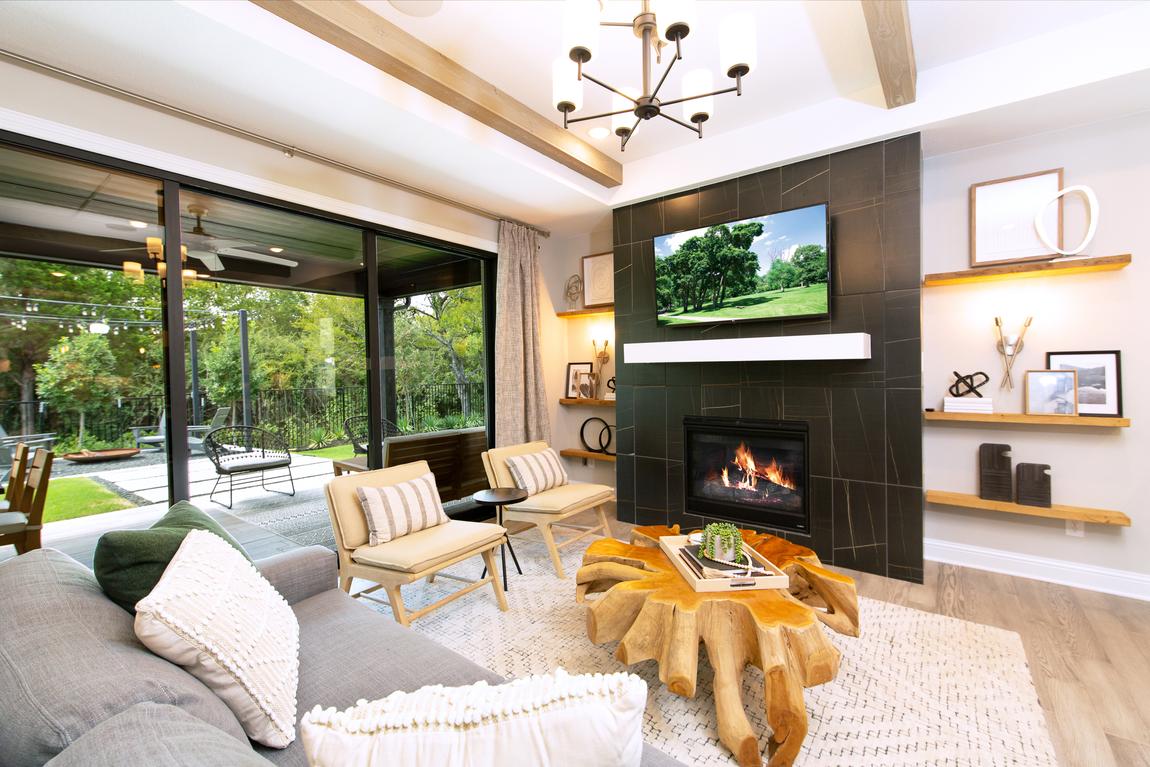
1093 211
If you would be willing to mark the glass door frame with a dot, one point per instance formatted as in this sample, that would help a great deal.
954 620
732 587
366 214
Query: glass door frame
172 299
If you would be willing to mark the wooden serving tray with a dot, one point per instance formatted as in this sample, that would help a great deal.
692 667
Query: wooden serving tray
671 545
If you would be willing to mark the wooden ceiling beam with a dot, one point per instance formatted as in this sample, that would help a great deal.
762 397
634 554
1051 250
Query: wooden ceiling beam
356 29
888 23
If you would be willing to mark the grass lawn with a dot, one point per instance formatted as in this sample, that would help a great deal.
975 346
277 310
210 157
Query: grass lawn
71 497
335 453
794 302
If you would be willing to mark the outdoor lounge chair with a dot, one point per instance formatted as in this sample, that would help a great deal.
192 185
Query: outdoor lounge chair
196 434
144 439
20 526
357 433
236 450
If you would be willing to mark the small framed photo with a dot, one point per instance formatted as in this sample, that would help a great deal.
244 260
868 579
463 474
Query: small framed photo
586 384
598 280
1051 392
1002 218
573 371
1099 379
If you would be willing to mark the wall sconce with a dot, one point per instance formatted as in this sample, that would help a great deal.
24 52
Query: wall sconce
601 354
1009 346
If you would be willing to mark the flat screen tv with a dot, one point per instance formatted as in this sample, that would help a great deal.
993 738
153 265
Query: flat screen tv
763 268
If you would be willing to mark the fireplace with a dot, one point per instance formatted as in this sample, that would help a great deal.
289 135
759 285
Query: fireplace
747 470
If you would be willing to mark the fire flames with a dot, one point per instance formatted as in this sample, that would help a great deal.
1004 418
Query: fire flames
753 472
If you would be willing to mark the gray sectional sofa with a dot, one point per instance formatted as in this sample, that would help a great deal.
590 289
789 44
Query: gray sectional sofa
77 688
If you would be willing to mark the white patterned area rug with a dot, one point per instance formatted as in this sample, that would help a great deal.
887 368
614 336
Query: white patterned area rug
914 689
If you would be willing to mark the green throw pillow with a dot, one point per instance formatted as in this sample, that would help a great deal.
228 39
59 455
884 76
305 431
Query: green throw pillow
129 563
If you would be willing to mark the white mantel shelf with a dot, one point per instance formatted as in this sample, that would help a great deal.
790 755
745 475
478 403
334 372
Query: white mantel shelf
827 346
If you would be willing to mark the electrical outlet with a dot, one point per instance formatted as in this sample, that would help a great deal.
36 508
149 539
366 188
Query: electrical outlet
1075 528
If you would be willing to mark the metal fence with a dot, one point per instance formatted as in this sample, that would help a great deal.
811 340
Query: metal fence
307 418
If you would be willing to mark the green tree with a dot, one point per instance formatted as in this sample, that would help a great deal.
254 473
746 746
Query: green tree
782 275
811 263
439 339
77 374
709 268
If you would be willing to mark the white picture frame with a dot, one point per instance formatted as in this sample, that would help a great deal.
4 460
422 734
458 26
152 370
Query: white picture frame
1003 218
598 280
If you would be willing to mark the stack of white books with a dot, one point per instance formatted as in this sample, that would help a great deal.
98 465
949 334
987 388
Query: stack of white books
967 405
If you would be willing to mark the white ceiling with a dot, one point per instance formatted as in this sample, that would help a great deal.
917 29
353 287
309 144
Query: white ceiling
232 61
808 52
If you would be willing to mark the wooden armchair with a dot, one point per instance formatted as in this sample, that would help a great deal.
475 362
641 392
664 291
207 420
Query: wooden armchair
404 560
551 507
20 526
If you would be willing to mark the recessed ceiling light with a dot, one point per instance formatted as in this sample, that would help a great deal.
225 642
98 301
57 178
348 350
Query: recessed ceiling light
598 132
137 225
276 250
417 8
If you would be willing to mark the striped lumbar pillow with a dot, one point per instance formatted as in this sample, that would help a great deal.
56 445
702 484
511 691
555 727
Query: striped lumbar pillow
536 472
402 508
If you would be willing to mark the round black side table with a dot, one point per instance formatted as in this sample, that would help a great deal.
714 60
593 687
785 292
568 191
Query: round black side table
500 497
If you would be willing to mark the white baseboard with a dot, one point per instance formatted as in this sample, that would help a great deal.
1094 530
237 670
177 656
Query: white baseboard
1123 583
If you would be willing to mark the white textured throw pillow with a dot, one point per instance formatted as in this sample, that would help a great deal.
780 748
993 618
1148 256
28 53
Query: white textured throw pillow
215 615
536 472
405 507
556 720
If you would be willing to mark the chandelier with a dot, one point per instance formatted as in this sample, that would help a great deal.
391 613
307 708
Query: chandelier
659 24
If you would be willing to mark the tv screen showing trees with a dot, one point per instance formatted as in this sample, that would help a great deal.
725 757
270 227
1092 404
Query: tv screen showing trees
768 267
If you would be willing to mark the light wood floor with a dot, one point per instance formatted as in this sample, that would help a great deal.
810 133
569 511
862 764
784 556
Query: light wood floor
1089 653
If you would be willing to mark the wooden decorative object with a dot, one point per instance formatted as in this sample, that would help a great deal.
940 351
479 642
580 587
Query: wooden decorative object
995 479
655 615
1034 484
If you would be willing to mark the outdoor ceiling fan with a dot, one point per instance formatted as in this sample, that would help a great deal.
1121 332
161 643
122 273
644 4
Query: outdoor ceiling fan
207 249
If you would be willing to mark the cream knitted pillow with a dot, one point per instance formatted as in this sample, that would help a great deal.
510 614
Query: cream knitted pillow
215 615
556 719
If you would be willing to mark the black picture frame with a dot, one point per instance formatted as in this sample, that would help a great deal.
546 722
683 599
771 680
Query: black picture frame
572 386
1087 408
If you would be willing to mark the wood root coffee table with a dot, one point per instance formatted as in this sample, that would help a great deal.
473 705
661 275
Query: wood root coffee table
654 614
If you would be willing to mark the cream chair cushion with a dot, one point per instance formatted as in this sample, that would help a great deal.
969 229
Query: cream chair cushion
427 548
343 499
558 500
495 461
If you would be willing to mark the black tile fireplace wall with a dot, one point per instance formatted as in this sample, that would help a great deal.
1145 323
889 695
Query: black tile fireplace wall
865 416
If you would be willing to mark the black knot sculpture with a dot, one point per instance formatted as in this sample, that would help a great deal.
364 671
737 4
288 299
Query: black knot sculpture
966 384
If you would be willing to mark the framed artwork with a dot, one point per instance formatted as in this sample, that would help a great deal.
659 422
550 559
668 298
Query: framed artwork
1051 392
598 280
573 371
586 384
1099 379
1002 218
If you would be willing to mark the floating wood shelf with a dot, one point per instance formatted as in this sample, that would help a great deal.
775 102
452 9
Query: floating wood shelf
587 401
1056 511
586 455
598 311
1029 420
1054 268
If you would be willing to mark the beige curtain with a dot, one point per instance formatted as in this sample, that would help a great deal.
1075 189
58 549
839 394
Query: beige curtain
520 397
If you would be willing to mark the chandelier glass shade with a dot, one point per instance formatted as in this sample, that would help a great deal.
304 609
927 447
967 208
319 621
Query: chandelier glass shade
659 24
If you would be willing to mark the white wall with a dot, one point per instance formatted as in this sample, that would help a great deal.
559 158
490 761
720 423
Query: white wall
1102 468
569 340
38 105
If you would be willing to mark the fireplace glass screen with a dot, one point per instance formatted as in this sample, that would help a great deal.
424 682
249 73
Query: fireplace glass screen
748 470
